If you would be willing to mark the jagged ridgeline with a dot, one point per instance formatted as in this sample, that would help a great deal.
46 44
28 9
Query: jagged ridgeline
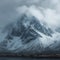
27 28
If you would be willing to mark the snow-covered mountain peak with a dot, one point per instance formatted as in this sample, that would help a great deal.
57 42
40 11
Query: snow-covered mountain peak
46 15
33 11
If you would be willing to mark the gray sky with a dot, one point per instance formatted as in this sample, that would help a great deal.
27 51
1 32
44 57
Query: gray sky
8 8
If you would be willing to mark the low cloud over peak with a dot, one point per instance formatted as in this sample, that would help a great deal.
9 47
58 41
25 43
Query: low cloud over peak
48 15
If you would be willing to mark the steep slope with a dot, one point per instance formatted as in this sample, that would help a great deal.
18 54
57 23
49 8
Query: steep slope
26 34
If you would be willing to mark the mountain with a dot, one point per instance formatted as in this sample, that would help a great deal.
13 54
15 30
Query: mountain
27 34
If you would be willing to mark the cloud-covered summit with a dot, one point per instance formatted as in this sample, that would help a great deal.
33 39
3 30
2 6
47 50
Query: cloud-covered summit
8 9
50 16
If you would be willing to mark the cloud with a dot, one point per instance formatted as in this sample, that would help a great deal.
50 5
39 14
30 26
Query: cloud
8 9
48 15
56 4
52 18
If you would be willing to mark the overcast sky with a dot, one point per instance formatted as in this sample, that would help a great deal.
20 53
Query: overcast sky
8 8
